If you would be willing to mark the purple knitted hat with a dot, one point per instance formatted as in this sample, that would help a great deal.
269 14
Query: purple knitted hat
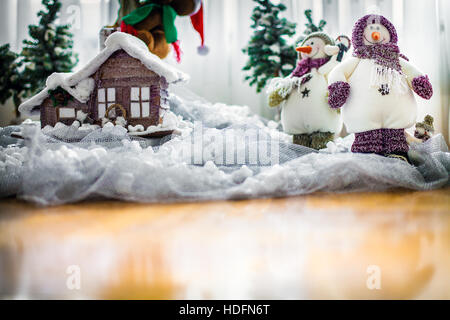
386 54
362 23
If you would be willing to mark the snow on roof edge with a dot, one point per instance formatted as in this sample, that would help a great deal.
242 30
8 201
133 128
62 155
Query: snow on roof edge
81 92
27 106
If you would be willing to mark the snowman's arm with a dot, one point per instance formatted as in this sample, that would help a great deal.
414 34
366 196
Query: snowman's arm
279 89
343 71
417 80
327 67
410 70
339 89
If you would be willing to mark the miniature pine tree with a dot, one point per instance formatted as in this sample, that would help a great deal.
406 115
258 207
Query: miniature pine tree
10 84
269 53
48 51
311 26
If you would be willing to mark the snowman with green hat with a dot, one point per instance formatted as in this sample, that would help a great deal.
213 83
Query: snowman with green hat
303 97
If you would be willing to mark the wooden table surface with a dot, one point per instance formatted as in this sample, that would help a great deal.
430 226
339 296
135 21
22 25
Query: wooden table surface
332 246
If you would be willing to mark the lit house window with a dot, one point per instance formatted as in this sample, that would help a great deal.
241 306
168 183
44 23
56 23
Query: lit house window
106 97
66 113
140 102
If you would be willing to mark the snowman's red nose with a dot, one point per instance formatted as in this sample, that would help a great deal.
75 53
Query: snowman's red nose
375 35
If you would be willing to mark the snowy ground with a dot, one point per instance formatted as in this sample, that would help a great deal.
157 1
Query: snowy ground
220 152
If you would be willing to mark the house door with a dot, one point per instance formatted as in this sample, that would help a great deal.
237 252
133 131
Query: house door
114 111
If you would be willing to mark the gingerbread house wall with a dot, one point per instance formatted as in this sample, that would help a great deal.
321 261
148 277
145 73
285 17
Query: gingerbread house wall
50 114
123 72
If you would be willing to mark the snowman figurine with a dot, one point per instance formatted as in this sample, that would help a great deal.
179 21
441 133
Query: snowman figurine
376 85
305 112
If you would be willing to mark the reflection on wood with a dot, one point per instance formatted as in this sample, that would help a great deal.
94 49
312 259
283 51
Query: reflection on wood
317 246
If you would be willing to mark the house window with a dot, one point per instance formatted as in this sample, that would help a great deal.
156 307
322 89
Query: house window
106 97
66 113
140 102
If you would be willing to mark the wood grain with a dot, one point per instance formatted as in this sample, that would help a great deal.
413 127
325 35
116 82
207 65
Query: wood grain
316 246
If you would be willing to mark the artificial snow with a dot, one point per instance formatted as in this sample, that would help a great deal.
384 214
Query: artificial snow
275 48
81 116
339 145
76 124
284 86
136 128
169 119
222 152
12 159
150 130
170 122
275 58
121 121
78 130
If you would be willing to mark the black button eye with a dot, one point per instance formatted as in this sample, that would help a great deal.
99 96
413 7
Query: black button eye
312 43
378 28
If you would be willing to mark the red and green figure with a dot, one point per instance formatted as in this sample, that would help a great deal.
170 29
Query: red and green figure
153 22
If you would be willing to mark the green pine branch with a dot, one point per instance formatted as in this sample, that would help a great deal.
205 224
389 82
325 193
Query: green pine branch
311 26
269 54
10 84
48 50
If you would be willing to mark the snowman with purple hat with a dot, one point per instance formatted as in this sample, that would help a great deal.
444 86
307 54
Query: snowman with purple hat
376 86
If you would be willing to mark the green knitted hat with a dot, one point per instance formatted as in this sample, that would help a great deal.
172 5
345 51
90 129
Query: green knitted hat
322 35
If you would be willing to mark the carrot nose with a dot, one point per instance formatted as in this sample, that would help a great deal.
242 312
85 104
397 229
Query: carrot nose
375 35
305 49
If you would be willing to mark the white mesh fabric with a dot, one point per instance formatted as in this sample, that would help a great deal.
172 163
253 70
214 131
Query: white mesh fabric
67 164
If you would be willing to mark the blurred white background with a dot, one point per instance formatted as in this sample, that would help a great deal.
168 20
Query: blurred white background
422 26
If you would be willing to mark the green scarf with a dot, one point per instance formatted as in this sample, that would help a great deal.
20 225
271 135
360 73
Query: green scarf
169 15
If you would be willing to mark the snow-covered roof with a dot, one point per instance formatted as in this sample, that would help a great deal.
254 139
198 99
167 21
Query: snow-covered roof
80 91
80 86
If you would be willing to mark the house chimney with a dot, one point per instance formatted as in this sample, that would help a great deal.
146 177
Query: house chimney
105 32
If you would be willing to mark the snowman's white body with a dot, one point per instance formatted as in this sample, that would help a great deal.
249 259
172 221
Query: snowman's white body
366 108
312 113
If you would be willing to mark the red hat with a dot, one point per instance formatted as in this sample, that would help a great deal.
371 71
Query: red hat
197 23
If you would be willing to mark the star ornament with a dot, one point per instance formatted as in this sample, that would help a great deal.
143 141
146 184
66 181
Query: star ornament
305 92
